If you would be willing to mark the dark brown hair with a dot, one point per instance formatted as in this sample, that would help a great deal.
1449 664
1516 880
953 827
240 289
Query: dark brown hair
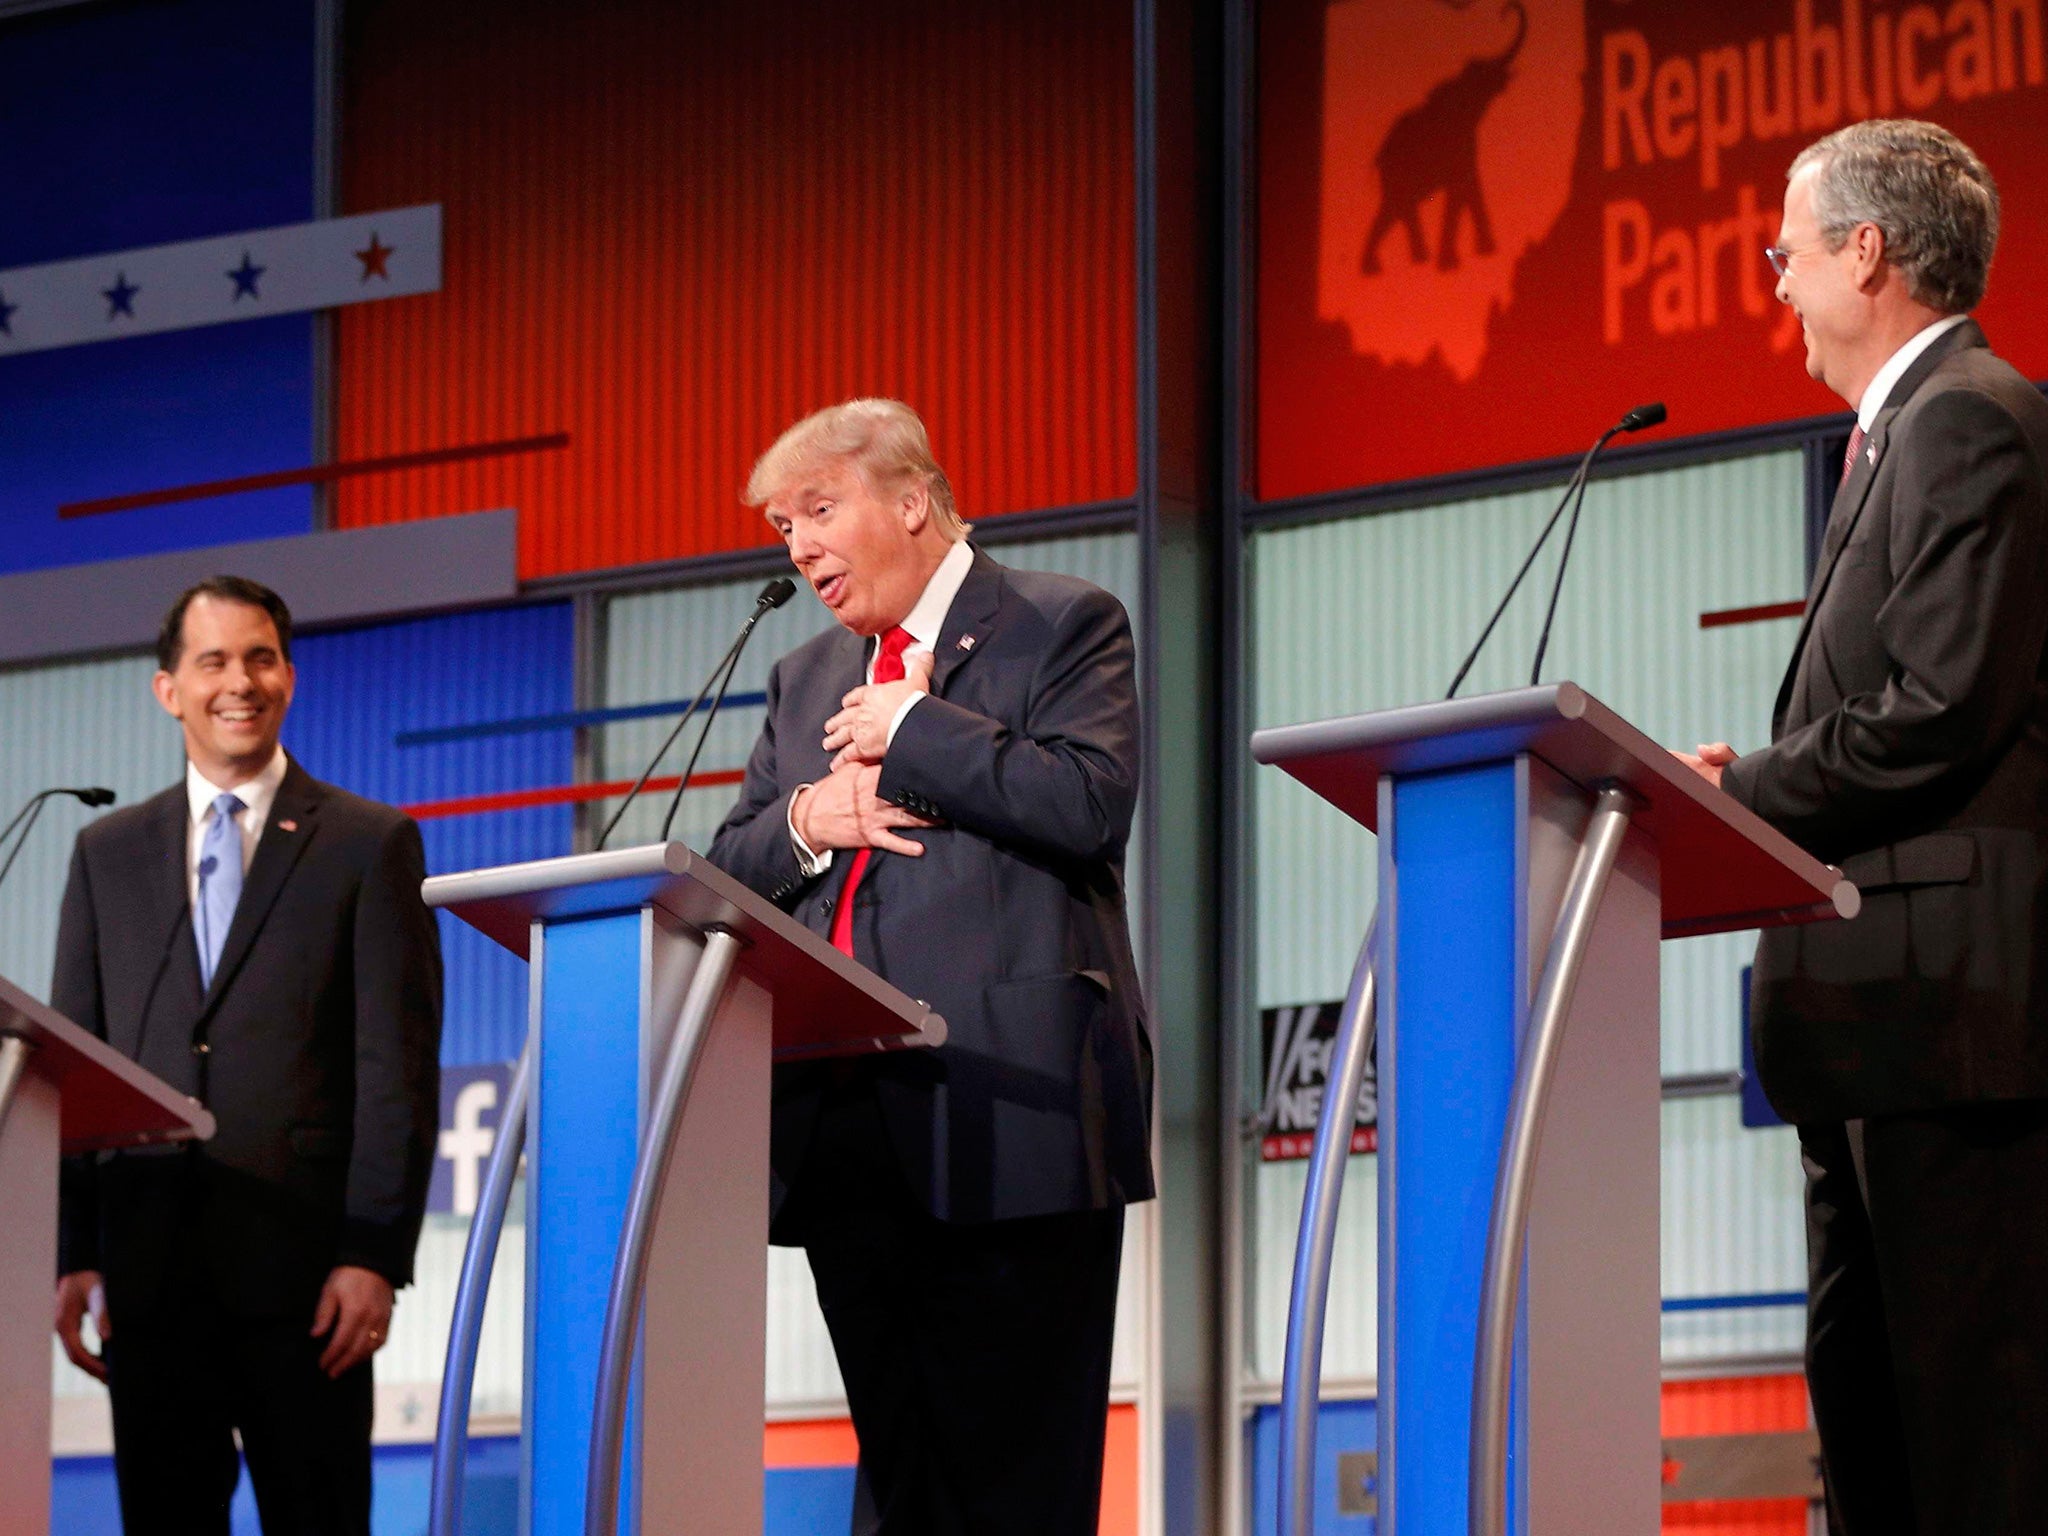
170 640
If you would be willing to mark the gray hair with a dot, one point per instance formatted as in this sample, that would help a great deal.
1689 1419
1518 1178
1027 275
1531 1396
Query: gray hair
1920 185
884 439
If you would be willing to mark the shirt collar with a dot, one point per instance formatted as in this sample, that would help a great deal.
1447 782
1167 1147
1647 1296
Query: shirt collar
928 617
1896 365
256 793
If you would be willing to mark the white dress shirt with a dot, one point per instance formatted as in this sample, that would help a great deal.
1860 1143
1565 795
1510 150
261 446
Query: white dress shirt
256 796
927 617
1887 377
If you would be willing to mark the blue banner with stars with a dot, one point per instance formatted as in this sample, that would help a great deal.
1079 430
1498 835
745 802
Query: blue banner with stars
289 269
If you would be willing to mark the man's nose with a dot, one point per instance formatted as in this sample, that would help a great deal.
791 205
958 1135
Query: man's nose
802 546
1779 290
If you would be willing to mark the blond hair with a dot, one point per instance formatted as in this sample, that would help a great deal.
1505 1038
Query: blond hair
884 440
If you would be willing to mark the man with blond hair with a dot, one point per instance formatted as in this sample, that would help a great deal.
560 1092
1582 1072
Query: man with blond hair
944 788
1910 746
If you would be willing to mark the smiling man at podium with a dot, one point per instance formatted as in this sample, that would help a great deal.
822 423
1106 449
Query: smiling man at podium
255 938
1910 745
944 788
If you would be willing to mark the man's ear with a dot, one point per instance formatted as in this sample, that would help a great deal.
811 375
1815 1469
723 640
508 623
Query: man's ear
915 506
166 692
1867 242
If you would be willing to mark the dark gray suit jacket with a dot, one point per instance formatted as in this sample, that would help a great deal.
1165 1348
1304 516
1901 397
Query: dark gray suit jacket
1910 746
317 1048
1012 923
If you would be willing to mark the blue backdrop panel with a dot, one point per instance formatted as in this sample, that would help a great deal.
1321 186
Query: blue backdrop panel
1444 1093
1340 1427
137 124
358 689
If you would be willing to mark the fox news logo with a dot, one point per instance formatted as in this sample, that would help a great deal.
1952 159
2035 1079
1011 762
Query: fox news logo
1297 1044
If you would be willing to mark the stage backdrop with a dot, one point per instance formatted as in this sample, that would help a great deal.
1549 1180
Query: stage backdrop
1488 228
671 230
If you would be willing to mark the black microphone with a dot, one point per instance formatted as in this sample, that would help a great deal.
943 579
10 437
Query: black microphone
1651 415
1642 416
92 795
773 595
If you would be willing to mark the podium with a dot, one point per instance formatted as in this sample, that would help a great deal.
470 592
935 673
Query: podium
1533 849
62 1091
661 990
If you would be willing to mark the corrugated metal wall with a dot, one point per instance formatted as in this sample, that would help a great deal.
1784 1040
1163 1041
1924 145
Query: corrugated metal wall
89 722
360 689
671 230
1369 612
659 645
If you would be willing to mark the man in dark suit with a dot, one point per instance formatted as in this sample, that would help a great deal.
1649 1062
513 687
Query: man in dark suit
256 938
944 787
1910 746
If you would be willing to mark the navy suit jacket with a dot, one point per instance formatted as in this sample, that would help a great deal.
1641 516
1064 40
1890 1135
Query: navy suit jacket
1910 746
1011 925
317 1048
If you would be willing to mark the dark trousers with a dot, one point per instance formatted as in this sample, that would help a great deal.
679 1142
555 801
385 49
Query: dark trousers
976 1357
186 1377
1927 1327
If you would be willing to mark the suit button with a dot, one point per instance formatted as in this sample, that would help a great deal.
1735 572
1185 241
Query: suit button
825 905
201 1048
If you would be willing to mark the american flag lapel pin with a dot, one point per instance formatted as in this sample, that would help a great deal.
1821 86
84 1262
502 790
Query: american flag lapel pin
967 642
287 825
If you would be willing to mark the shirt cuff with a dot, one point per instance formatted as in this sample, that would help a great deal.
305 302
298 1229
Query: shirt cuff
810 864
896 720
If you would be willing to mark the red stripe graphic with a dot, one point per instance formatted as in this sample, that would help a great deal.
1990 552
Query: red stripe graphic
316 474
559 794
1726 616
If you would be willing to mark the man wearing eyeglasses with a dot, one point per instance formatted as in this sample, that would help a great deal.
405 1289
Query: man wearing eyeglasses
1910 746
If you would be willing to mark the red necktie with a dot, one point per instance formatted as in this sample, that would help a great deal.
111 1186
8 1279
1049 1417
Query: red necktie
1856 440
888 669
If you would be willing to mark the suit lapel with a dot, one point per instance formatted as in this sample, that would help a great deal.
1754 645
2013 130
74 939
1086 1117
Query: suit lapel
1854 494
968 621
291 828
166 850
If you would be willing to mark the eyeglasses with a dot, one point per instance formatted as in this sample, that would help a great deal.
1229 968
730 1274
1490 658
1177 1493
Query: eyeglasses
1780 257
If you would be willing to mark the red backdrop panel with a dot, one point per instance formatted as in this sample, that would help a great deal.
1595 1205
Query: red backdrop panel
1610 172
670 230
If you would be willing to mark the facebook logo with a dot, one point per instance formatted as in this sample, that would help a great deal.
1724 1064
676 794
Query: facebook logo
472 1098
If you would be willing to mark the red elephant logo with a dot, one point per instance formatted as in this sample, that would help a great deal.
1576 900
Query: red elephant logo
1449 135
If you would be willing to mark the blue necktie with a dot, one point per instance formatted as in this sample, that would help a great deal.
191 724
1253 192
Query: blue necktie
220 882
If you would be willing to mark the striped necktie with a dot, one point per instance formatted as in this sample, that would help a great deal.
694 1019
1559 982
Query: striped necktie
1857 438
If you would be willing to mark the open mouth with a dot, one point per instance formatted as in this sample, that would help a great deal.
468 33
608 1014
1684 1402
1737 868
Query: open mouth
241 714
831 589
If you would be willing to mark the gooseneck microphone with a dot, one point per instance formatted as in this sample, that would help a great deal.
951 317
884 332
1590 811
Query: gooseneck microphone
25 818
1574 495
773 595
1642 416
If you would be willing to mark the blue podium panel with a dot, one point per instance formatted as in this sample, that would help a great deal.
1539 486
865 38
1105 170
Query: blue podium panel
1452 891
587 1108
